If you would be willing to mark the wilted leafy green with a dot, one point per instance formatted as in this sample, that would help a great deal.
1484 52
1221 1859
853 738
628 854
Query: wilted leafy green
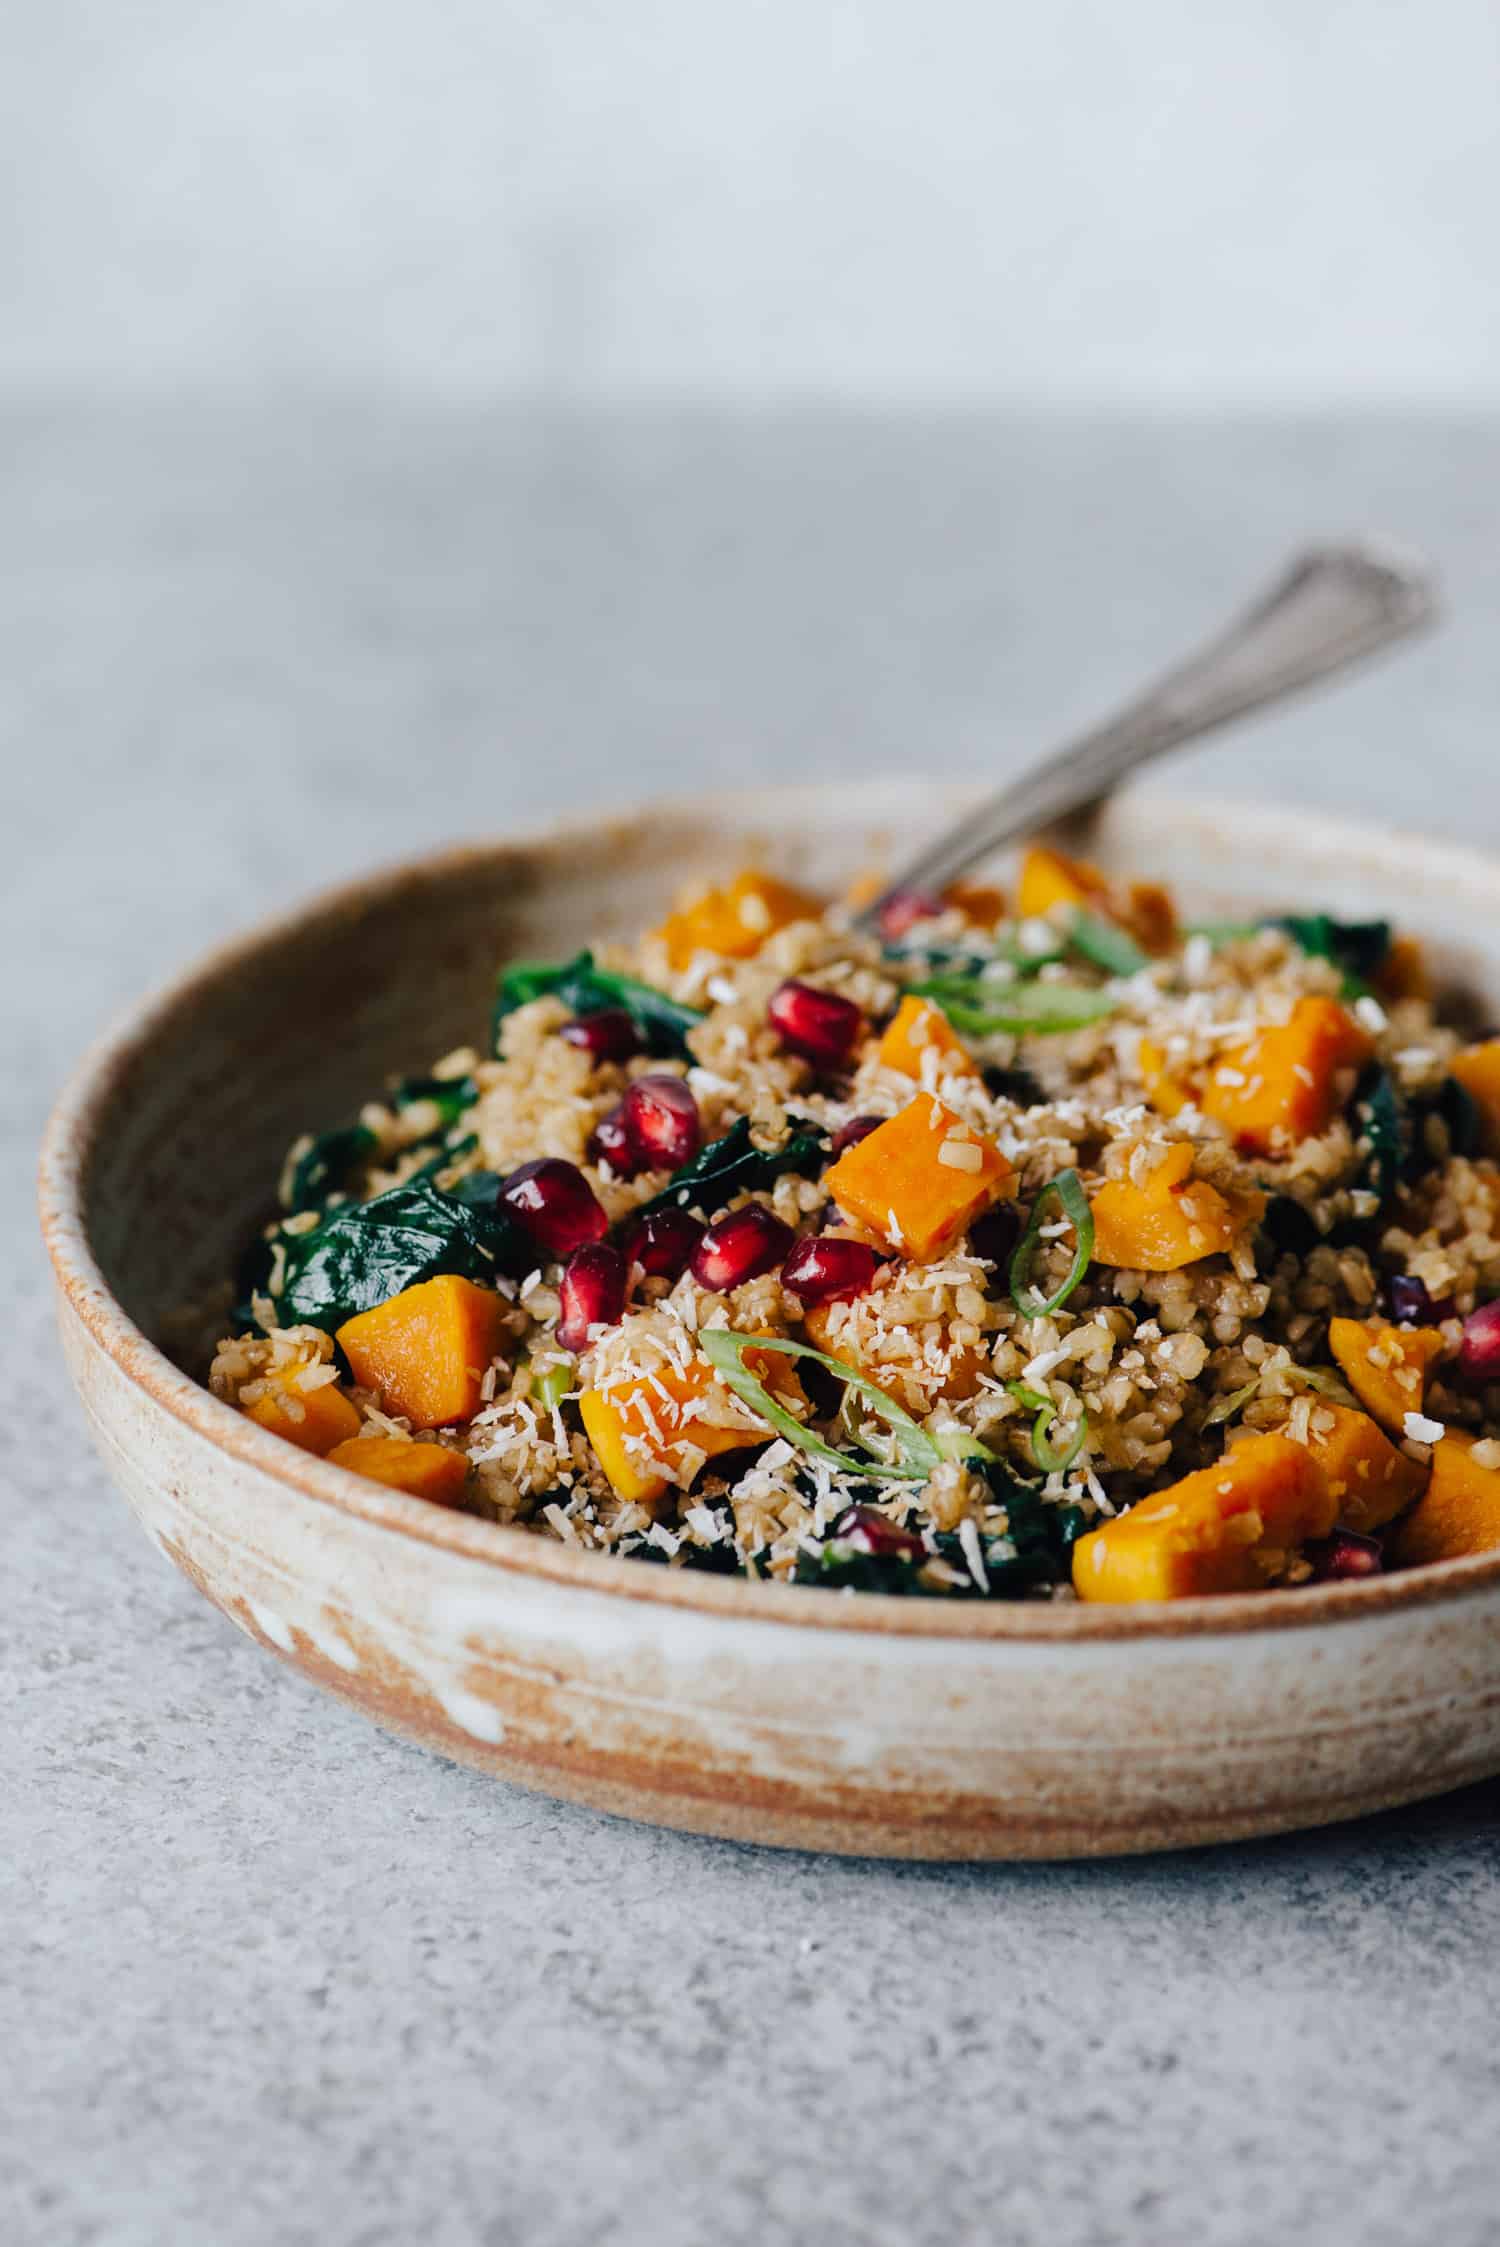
662 1023
363 1253
734 1165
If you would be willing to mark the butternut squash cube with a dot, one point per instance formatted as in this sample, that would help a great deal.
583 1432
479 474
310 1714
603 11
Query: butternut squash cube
979 902
1230 1528
736 920
920 1179
1171 1220
1167 1094
1477 1069
313 1419
1460 1512
637 1424
1284 1085
427 1349
423 1470
1049 880
918 1027
1370 1479
1386 1366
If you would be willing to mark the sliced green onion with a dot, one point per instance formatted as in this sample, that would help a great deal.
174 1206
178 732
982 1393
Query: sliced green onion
551 1387
983 1010
1227 1407
1324 1381
920 1453
1067 1188
1050 1460
1224 932
1106 945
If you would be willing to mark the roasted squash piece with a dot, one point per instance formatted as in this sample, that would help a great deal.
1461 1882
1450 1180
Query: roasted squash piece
1171 1220
1403 973
423 1470
920 1179
919 1027
979 902
1285 1084
1477 1069
639 1420
736 920
427 1349
1049 879
1370 1479
313 1419
1167 1094
1385 1366
1230 1528
1460 1511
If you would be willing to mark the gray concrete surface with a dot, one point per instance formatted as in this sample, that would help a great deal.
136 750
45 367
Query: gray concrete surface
269 1977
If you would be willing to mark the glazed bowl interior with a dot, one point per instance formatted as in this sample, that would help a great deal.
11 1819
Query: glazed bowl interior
164 1156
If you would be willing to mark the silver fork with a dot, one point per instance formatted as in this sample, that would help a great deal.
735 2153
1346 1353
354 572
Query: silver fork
1331 608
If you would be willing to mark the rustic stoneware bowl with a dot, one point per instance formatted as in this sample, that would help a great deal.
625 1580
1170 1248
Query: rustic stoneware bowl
770 1714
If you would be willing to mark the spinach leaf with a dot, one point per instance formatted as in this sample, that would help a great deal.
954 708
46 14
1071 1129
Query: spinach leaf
325 1165
1015 1084
363 1253
662 1023
1035 1553
1455 1108
1383 1122
1358 949
449 1095
1042 1534
732 1165
1288 1227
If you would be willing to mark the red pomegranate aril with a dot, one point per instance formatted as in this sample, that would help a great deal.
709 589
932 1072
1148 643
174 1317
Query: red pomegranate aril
819 1025
592 1293
555 1203
850 1134
903 909
661 1117
609 1035
1479 1351
994 1235
869 1531
662 1242
1413 1305
824 1268
739 1247
610 1142
1343 1556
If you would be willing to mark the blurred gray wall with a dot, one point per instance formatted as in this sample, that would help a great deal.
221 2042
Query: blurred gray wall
908 200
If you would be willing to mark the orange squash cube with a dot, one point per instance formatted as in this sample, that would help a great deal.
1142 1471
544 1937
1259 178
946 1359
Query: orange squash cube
313 1419
636 1424
1477 1069
1171 1220
920 1179
1386 1366
1460 1512
1230 1528
427 1349
1404 974
423 1470
736 920
1049 880
1166 1093
1370 1479
919 1026
979 902
1284 1085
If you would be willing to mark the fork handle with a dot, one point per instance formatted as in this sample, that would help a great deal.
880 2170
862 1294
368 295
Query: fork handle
1332 607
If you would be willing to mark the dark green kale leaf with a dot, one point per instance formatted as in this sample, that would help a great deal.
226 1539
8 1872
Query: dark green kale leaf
1015 1084
662 1023
1358 949
1454 1108
325 1166
1384 1125
733 1165
363 1253
449 1095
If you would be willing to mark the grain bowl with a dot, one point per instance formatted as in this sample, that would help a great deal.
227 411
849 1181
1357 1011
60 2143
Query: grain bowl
777 1710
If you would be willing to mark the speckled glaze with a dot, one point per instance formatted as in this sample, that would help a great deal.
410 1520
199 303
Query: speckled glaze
766 1713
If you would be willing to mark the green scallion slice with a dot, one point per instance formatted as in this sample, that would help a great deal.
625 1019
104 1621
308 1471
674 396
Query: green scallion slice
1067 1190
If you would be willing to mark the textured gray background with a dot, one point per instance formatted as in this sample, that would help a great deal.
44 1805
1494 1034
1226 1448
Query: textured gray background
270 1977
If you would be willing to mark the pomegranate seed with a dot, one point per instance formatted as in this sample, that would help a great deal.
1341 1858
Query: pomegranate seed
593 1293
610 1142
870 1531
903 909
663 1242
1343 1555
819 1025
851 1133
609 1035
739 1247
821 1270
661 1116
1413 1305
994 1235
556 1204
1479 1352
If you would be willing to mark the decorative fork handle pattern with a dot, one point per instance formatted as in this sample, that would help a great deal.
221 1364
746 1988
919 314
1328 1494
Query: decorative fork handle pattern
1332 607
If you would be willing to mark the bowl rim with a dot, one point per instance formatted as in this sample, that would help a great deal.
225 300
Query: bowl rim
80 1115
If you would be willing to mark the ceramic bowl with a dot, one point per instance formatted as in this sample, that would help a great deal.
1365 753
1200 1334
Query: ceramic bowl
767 1713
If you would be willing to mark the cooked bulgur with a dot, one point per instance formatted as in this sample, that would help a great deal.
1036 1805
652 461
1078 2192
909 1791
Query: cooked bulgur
918 1262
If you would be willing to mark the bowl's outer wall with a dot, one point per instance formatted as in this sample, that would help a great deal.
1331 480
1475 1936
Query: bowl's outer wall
851 1739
